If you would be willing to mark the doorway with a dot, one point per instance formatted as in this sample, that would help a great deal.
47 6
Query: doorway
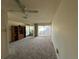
29 30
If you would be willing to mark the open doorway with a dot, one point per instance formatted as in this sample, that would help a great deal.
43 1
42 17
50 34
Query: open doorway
29 30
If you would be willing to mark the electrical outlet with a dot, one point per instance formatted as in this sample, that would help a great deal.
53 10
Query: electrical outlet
57 51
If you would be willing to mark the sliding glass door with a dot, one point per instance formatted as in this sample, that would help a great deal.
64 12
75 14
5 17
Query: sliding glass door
44 30
29 30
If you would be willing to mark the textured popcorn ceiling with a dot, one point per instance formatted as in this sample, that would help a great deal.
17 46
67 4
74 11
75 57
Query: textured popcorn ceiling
46 8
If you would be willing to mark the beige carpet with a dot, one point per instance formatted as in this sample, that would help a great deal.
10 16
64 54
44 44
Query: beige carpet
32 48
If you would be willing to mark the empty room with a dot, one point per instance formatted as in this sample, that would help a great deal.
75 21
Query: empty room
39 29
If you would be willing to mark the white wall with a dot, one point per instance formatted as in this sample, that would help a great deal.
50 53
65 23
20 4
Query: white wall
64 29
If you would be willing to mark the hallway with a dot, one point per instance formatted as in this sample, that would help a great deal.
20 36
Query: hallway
32 48
61 15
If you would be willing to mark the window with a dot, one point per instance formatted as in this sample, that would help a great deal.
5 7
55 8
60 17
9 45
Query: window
29 30
44 30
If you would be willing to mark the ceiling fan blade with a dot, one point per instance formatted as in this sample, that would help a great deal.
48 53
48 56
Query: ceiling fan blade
21 6
29 11
32 11
14 10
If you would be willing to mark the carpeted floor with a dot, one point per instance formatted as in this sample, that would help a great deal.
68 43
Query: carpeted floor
32 48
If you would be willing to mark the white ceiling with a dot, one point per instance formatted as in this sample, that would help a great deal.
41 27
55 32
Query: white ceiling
46 8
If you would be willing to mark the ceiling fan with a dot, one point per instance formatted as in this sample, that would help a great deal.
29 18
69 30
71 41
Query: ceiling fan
23 9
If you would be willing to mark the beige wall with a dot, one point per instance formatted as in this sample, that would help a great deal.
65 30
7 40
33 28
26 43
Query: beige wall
64 29
4 41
